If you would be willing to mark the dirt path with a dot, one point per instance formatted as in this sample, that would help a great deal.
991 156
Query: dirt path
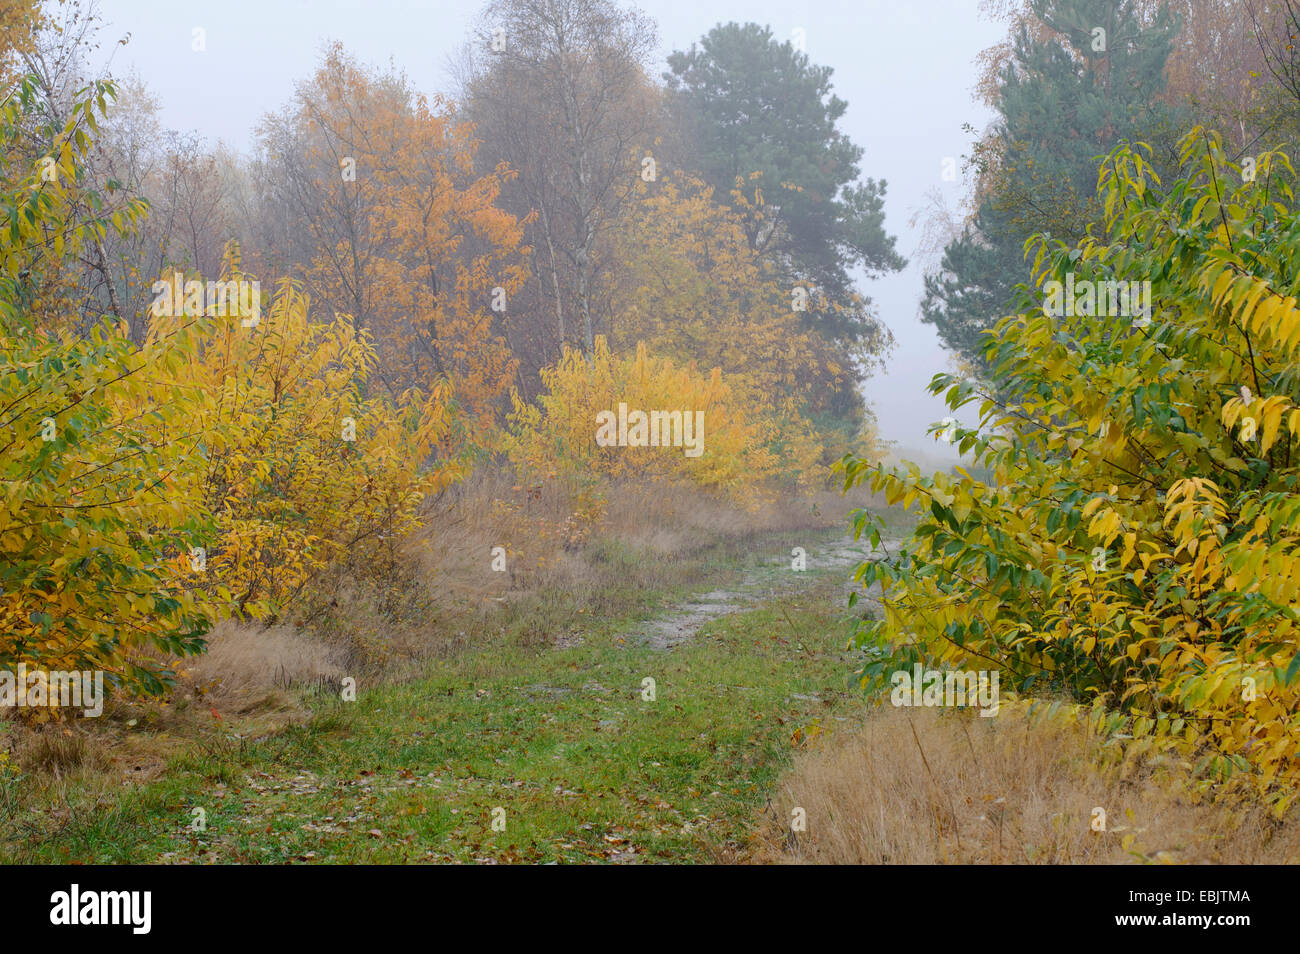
769 581
565 745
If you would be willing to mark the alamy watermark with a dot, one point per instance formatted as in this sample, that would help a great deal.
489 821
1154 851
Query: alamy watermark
1109 299
75 906
56 689
935 687
174 297
682 429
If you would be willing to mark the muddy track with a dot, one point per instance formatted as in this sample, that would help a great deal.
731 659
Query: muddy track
769 581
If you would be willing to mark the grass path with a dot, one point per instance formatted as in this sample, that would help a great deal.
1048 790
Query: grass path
562 748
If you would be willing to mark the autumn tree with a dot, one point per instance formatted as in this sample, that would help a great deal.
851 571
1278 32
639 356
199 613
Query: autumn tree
692 288
722 440
382 208
304 468
99 504
558 90
1134 547
1217 70
190 190
54 55
1268 92
19 20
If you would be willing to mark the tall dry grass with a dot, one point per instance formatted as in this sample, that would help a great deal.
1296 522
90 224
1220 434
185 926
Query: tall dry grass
919 786
558 541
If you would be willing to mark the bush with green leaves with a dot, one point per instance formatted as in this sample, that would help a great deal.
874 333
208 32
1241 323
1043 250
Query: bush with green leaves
1138 550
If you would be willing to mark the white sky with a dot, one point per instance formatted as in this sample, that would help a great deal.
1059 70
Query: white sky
905 67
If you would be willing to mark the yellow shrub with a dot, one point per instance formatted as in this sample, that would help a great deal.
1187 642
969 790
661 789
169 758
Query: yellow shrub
94 505
303 467
1137 546
559 434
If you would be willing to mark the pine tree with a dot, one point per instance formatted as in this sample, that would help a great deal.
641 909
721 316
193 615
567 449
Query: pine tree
1062 104
759 113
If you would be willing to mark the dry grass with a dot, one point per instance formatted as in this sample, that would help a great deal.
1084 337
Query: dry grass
245 660
240 685
914 786
547 528
58 751
555 540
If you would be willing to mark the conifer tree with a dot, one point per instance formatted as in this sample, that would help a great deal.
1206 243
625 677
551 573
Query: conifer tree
1083 76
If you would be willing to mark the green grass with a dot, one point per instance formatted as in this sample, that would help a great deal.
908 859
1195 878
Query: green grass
562 740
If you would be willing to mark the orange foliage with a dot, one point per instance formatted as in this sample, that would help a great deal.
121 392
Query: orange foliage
406 238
